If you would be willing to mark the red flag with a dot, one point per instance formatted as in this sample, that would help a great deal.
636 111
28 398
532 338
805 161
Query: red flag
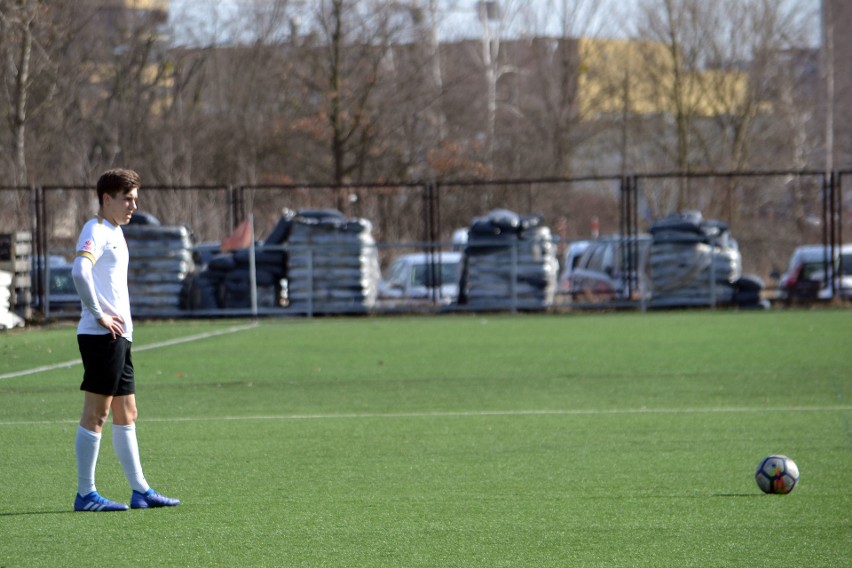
240 238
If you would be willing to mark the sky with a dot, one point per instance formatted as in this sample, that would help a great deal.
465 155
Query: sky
459 18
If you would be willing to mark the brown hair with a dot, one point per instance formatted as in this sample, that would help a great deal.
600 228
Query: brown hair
117 180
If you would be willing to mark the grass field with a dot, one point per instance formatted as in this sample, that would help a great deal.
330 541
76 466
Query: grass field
618 439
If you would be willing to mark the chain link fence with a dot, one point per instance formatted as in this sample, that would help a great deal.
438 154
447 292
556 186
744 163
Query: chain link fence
329 249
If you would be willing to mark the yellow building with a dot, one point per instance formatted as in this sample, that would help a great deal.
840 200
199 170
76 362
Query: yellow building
640 77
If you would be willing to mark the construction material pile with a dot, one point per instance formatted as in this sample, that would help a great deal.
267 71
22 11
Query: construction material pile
160 262
693 261
332 264
8 319
313 261
509 263
16 295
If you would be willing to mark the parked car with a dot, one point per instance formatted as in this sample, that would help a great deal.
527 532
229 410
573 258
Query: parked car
600 275
423 277
573 253
61 293
62 296
806 280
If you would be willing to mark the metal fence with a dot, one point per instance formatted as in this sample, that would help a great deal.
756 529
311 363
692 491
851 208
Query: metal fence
768 213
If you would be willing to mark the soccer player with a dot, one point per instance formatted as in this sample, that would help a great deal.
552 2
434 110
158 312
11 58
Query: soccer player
104 335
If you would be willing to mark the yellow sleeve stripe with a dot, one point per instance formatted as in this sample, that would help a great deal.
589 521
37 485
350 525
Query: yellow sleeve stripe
86 254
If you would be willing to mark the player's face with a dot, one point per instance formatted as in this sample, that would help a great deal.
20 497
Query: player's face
118 209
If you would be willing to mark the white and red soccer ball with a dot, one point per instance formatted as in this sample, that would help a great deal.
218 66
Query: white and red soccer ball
777 474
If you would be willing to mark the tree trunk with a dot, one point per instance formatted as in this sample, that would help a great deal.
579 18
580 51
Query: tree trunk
19 117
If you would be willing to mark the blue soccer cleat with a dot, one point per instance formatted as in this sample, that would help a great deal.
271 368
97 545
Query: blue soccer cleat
151 499
95 503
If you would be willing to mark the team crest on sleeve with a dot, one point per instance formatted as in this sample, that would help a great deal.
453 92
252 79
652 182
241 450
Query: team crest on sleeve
88 246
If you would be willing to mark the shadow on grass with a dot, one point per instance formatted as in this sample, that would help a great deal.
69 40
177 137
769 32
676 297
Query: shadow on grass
25 513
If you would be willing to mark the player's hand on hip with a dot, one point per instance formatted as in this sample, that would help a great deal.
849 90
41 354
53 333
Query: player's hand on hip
113 324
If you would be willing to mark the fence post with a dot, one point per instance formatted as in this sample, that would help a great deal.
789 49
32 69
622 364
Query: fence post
39 236
839 228
828 230
629 234
252 268
513 282
310 313
712 275
836 233
432 237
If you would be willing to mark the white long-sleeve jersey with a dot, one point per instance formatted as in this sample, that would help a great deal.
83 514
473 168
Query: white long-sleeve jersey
100 276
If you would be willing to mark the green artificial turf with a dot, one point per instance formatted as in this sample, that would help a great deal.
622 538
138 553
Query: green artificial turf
619 439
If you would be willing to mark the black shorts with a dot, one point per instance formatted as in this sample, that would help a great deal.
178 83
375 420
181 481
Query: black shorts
107 365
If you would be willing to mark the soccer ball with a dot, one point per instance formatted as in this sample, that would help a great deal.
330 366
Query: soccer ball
777 474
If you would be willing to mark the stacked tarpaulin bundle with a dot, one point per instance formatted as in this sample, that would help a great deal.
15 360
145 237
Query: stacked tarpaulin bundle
8 319
333 264
509 263
313 261
693 261
160 262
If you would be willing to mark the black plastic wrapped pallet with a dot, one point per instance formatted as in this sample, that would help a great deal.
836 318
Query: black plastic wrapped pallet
684 221
274 259
747 290
161 264
694 261
332 263
508 258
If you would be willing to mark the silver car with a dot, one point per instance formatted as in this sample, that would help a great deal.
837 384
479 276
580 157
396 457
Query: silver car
601 274
421 277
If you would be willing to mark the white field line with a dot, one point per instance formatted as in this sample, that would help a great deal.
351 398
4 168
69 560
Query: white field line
472 414
169 343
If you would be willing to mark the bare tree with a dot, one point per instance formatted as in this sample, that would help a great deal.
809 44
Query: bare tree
19 21
677 26
348 81
550 78
711 65
36 42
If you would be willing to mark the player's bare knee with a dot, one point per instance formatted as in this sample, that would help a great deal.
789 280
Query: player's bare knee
127 419
124 416
94 420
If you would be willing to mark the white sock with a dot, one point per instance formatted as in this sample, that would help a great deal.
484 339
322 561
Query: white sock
127 450
86 446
